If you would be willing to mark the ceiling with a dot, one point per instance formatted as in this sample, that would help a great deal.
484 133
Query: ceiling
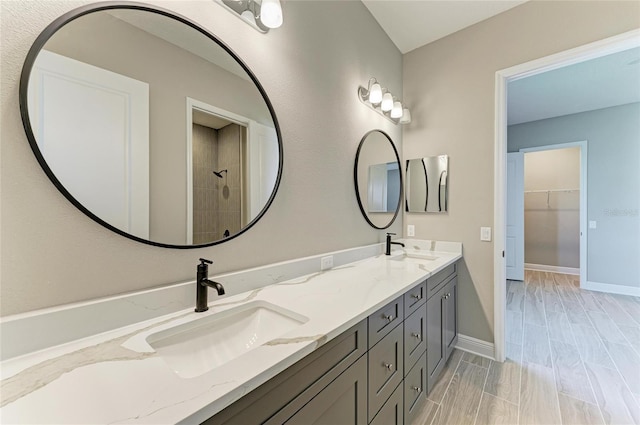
414 23
595 84
603 82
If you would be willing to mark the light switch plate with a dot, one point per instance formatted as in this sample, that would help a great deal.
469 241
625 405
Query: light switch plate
411 230
326 262
485 234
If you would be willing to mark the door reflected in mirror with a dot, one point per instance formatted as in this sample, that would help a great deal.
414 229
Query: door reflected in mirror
426 188
378 180
384 187
130 110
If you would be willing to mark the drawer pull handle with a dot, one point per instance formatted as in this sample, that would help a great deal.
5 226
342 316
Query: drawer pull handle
416 296
416 335
388 365
389 318
417 389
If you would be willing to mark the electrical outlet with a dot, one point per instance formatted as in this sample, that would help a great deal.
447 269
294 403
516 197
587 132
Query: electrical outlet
411 230
485 234
593 224
326 262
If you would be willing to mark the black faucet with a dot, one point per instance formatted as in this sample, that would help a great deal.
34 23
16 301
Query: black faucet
202 283
388 247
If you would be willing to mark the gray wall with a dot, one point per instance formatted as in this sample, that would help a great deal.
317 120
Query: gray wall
450 87
613 184
310 68
552 220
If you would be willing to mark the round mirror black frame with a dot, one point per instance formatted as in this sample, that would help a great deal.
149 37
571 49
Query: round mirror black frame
355 180
57 24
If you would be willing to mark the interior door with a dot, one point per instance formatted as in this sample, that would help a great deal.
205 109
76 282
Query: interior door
262 168
92 126
514 252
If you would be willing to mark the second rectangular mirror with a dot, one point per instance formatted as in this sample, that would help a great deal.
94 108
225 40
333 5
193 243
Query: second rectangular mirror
426 187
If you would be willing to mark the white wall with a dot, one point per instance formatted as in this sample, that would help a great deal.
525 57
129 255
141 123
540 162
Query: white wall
613 184
310 68
449 87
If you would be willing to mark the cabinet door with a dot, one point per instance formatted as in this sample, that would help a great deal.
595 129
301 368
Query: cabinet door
415 391
435 341
344 401
450 331
392 413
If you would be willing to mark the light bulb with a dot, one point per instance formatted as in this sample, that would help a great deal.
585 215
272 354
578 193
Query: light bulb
375 94
406 116
387 102
271 13
396 112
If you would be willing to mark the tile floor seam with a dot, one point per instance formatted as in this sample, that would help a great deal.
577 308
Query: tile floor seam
553 369
486 376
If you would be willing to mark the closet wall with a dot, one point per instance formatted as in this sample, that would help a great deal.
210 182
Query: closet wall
552 207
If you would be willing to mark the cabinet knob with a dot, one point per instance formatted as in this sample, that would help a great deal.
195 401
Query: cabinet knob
389 318
388 365
415 335
417 389
416 296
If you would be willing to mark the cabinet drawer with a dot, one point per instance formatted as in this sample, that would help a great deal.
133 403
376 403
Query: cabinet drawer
415 390
415 298
437 280
385 369
415 337
392 411
382 321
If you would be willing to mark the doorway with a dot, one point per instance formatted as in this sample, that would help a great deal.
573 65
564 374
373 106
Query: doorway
503 77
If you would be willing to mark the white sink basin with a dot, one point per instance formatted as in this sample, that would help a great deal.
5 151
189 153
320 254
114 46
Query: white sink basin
413 254
202 345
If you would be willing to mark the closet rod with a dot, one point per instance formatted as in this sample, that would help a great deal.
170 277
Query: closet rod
552 190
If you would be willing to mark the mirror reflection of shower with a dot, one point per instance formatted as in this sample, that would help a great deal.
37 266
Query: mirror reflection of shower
219 173
218 165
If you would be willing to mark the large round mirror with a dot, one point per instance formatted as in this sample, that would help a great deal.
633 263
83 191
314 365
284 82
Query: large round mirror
378 179
150 125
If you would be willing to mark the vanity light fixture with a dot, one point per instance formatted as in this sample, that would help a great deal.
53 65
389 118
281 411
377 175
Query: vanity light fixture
383 102
260 14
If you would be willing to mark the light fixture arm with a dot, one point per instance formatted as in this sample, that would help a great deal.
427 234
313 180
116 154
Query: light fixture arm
251 11
364 94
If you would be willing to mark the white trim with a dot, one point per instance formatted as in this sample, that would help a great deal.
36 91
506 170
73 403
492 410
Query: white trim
552 269
612 288
475 346
584 160
579 54
213 110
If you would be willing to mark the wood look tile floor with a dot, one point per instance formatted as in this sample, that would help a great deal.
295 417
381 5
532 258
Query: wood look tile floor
573 357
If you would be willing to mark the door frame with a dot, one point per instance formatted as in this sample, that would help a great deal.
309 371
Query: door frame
583 145
583 53
212 110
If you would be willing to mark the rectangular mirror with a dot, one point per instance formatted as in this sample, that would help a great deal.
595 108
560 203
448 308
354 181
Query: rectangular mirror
426 187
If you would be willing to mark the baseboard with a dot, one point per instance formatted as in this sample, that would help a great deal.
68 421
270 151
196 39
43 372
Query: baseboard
475 346
611 288
552 269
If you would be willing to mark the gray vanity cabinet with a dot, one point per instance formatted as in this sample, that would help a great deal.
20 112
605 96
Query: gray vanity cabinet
442 321
378 372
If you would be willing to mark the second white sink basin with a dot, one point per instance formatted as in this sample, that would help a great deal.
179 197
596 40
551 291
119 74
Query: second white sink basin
201 345
413 254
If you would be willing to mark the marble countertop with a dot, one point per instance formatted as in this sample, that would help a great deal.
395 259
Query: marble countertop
116 377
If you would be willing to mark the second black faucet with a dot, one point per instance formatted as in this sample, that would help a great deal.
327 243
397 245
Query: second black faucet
388 245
